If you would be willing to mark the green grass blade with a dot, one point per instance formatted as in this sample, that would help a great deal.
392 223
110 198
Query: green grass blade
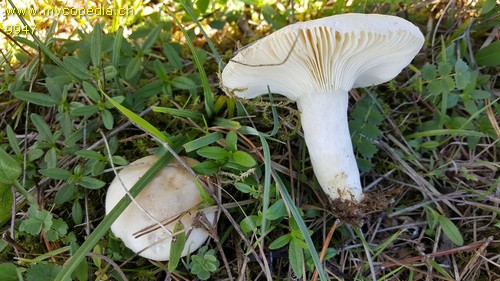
195 116
117 46
302 226
441 132
202 142
267 184
139 121
390 274
207 92
209 42
105 224
275 114
380 248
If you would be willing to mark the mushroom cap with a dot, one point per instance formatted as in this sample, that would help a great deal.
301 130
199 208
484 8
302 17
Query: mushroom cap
170 193
328 54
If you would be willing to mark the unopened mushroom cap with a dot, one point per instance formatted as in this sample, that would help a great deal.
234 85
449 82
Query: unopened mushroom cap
329 54
172 192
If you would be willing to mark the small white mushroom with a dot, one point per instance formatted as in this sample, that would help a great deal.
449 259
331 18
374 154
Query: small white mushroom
171 195
316 63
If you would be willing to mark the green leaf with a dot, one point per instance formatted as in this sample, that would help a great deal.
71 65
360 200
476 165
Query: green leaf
42 127
91 91
153 35
77 212
487 6
429 72
430 145
232 141
109 73
85 111
31 226
277 210
91 183
250 223
431 217
118 160
118 99
244 159
280 241
95 45
133 68
8 272
58 229
462 74
51 158
6 200
435 87
89 154
36 221
11 136
173 57
35 98
296 257
447 84
202 141
444 68
217 24
81 271
207 168
451 231
77 68
202 5
480 94
182 82
213 152
366 148
64 194
56 173
178 244
243 187
489 55
107 119
10 169
43 272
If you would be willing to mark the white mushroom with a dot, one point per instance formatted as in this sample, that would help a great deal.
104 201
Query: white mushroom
171 195
316 63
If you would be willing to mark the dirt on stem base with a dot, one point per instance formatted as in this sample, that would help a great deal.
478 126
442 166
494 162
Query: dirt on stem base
357 213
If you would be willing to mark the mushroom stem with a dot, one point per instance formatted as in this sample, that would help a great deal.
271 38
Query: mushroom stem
328 140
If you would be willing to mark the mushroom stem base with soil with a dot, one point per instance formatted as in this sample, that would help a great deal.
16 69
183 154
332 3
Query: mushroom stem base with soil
328 140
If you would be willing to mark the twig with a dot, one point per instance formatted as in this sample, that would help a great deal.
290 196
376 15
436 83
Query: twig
325 247
212 230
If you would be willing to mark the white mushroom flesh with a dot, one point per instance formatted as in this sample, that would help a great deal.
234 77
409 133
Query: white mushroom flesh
172 193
